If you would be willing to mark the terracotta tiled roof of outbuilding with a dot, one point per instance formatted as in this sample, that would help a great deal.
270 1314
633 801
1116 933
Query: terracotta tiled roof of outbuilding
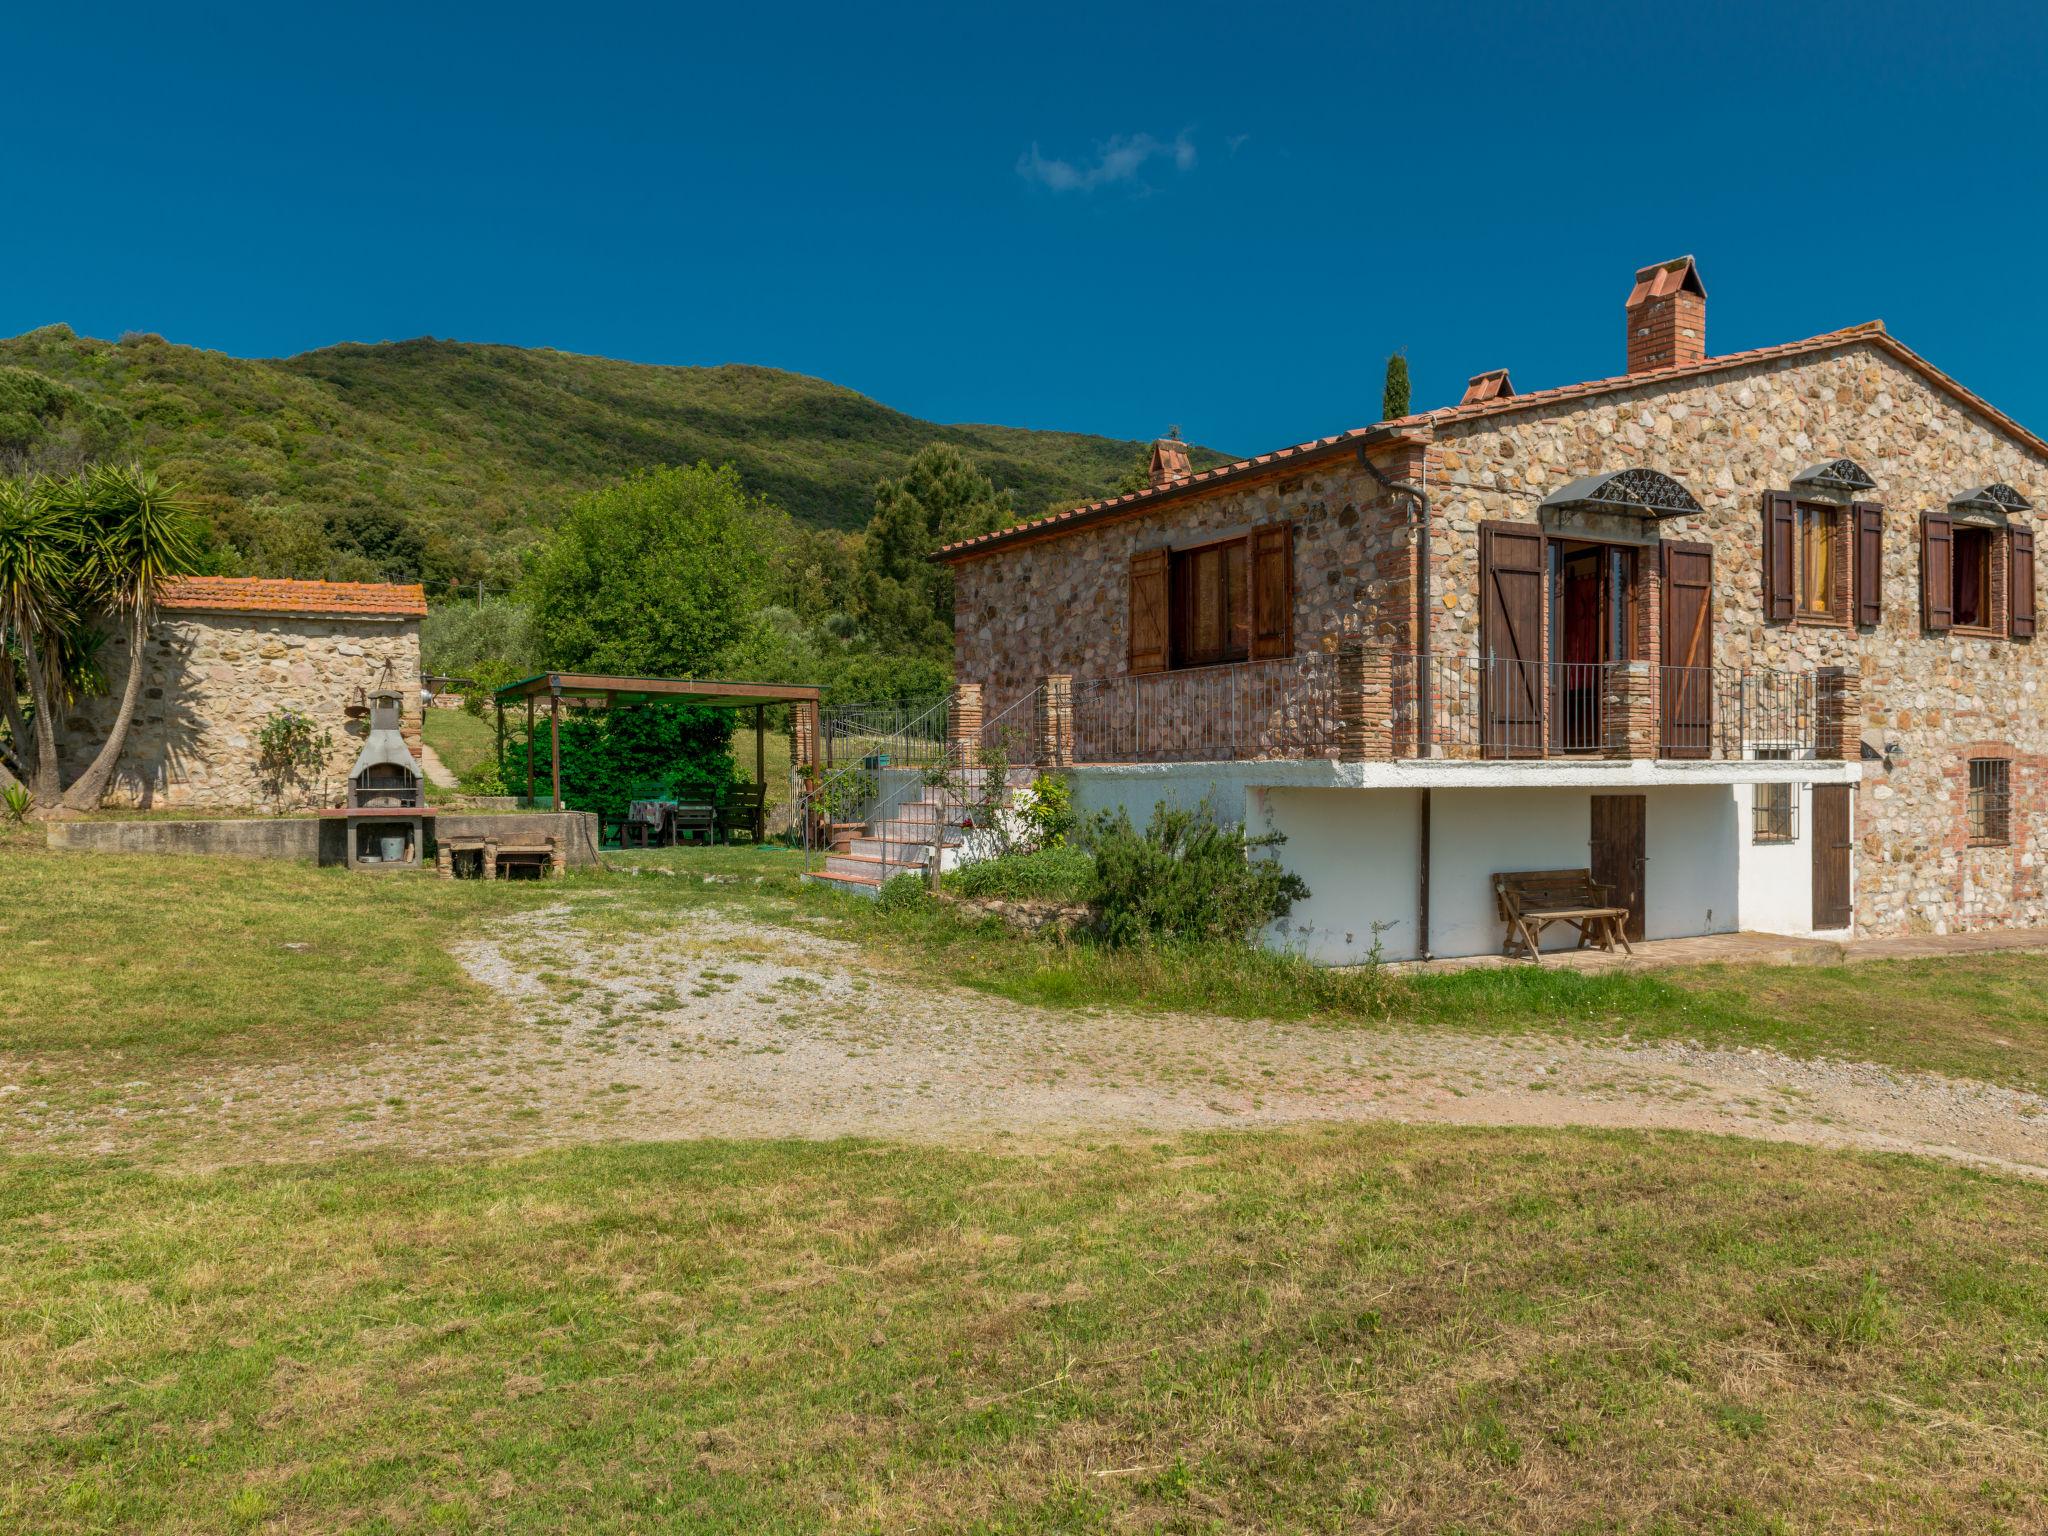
262 594
1871 331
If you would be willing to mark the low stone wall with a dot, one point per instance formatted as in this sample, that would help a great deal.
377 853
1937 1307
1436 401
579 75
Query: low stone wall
576 829
307 838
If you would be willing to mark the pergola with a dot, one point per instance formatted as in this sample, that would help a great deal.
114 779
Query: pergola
589 691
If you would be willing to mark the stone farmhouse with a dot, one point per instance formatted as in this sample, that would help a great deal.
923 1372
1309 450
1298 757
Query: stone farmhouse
1751 637
224 655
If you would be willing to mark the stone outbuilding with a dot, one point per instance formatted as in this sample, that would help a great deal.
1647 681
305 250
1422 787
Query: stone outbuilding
227 654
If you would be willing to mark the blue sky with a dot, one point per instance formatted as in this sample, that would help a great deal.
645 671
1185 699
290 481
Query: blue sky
1222 217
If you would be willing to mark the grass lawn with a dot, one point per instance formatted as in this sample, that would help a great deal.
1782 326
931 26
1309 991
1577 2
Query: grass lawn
1359 1330
461 740
1372 1328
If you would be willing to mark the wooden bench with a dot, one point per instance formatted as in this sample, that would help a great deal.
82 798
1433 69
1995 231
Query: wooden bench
1531 900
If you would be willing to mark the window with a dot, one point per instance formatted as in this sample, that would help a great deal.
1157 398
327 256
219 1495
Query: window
1970 578
1230 600
1211 604
1774 808
1823 562
1990 804
1976 575
1819 531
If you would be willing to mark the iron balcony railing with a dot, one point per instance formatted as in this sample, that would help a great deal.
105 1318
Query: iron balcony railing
1489 707
1237 712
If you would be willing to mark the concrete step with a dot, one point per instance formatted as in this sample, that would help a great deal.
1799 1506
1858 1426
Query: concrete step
860 885
872 866
893 844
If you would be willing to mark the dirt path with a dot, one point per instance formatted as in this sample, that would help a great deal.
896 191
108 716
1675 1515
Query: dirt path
436 771
724 1029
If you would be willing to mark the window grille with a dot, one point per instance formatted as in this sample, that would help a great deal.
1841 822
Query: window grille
1774 808
1990 805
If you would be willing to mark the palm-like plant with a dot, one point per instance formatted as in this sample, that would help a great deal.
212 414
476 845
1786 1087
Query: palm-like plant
39 572
138 531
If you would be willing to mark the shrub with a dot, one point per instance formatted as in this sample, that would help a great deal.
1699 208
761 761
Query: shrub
17 802
1049 815
291 748
1186 878
482 778
903 893
1049 874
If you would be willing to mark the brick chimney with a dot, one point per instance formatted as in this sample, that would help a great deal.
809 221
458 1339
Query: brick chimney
1667 317
1169 461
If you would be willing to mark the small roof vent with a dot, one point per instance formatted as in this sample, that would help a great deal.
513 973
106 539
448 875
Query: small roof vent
1995 497
1493 384
1640 492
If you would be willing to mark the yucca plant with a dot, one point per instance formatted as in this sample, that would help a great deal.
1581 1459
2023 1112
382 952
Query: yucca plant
16 801
40 546
137 532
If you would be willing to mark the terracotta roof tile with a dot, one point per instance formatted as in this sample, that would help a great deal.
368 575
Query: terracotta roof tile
260 594
1872 331
1664 278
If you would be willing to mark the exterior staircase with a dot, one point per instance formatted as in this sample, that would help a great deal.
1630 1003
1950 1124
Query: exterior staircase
905 837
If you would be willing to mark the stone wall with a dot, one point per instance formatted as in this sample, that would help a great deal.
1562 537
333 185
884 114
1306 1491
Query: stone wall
1059 605
212 681
1729 438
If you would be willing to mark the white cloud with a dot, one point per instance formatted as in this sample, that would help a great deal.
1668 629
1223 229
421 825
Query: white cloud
1118 159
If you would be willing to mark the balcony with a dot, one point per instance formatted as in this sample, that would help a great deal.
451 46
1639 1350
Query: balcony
1363 703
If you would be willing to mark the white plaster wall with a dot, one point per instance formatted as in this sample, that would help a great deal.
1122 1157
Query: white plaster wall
1692 881
1137 788
1777 878
1358 851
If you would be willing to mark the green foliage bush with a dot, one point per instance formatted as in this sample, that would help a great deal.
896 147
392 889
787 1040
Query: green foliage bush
1064 873
1049 816
655 576
1186 878
906 892
482 779
611 757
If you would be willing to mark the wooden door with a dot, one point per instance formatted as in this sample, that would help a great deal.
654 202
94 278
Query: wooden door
1618 855
1686 683
1511 578
1833 903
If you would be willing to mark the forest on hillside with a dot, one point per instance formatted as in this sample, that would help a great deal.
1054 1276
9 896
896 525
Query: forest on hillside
445 461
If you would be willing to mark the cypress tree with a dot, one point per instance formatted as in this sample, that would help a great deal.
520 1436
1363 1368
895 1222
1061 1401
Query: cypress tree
1394 398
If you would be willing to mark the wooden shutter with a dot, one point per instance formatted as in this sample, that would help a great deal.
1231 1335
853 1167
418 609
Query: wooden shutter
1511 638
1866 529
1149 610
1272 591
2019 601
1937 570
1686 683
1781 531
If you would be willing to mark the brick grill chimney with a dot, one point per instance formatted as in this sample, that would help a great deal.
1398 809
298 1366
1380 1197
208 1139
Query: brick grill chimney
1169 461
1667 317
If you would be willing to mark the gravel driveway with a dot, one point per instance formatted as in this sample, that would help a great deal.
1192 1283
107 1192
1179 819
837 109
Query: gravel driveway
718 1027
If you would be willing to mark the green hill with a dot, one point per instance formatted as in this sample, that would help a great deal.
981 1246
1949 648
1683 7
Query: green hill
444 457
